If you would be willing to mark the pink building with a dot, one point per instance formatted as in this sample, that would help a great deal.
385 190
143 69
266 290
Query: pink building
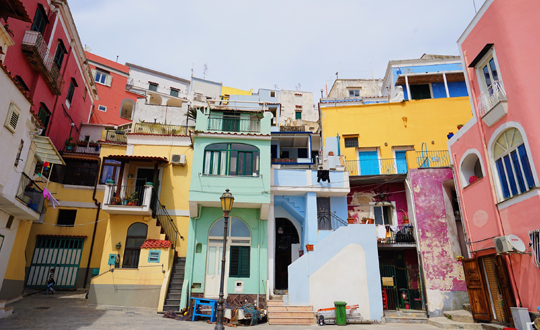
496 157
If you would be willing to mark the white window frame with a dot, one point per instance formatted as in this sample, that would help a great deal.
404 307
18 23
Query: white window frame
102 106
480 75
107 81
372 205
349 90
12 110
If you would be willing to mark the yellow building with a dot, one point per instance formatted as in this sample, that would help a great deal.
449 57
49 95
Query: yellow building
147 179
227 91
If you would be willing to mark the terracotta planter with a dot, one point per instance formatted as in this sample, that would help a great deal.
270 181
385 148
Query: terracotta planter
331 153
405 221
370 221
350 221
309 247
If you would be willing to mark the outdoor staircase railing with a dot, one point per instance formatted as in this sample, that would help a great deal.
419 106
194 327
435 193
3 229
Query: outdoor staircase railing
167 223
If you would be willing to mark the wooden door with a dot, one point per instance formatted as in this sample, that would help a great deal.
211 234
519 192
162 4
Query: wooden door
476 290
504 282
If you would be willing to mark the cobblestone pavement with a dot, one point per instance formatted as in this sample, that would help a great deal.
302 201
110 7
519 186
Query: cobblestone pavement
68 310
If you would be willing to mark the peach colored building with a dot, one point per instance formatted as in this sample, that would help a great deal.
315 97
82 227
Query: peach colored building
496 157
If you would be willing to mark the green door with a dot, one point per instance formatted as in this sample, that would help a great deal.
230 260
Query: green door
61 253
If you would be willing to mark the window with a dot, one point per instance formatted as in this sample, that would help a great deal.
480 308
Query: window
534 236
102 77
22 83
351 142
44 116
420 92
66 218
102 108
382 214
153 87
471 169
272 94
174 92
59 55
512 162
239 264
231 159
298 115
19 151
154 256
354 92
71 91
111 170
40 20
136 235
273 110
324 215
490 74
12 118
9 222
302 153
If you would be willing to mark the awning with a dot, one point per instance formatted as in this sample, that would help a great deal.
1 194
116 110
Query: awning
126 158
430 77
46 151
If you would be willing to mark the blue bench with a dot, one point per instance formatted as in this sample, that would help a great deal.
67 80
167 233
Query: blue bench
198 302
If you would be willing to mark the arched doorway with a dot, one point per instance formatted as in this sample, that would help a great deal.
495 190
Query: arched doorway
286 235
155 99
126 109
136 235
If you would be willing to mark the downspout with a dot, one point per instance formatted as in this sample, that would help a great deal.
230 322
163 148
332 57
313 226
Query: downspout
259 261
194 246
98 204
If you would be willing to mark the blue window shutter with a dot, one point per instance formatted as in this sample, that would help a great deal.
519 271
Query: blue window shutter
154 256
510 175
502 178
526 165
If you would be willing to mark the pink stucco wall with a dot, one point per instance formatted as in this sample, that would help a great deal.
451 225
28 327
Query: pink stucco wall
511 26
441 270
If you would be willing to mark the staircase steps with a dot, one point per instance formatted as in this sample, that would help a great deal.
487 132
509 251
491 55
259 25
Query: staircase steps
279 314
5 311
445 323
459 316
174 291
406 316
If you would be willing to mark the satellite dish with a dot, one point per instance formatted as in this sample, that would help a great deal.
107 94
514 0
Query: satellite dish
517 243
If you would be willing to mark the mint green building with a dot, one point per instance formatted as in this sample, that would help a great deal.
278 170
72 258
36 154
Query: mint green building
231 151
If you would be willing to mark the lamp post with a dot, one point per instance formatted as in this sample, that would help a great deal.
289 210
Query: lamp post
227 200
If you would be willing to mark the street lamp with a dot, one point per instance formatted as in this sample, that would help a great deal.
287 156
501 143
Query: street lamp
227 200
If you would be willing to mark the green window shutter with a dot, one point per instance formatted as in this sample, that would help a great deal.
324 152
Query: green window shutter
239 261
244 261
298 115
235 261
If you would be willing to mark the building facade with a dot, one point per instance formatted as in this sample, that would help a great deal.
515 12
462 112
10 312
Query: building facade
496 156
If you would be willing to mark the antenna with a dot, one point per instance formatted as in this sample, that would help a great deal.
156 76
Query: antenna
205 70
337 77
117 56
474 4
192 69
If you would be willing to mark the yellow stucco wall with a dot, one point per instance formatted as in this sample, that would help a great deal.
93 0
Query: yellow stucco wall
406 123
234 91
16 263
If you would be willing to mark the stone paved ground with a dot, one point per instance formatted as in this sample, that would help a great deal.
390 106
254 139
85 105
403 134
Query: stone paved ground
68 310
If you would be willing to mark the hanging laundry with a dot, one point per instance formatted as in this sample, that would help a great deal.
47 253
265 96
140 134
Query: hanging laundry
381 232
48 196
323 175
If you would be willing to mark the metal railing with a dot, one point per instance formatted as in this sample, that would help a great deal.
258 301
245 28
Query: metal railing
125 195
156 128
114 136
329 221
34 41
87 149
234 124
430 159
490 97
399 235
167 223
376 166
30 194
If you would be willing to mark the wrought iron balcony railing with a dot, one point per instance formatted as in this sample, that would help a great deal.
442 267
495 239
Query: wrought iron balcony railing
126 195
30 194
494 94
432 159
156 128
398 235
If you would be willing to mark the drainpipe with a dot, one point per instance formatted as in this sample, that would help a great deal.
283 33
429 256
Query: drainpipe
194 246
98 204
259 261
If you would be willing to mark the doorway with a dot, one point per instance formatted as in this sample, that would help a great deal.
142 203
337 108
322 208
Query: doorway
136 235
144 175
286 236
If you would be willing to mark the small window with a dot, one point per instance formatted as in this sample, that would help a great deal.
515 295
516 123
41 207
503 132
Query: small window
383 215
324 215
102 77
490 73
59 55
153 87
102 108
174 92
154 256
9 223
198 248
354 92
298 115
471 169
19 151
12 118
302 153
71 91
272 94
351 142
239 261
420 92
66 218
22 83
44 116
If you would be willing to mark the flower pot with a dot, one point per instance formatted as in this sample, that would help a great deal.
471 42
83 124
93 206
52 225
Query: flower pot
351 221
370 221
309 247
405 221
110 181
113 203
124 202
69 148
330 153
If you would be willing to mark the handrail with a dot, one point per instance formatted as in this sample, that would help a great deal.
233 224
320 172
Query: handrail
403 234
126 195
113 136
328 218
337 222
490 97
431 159
167 223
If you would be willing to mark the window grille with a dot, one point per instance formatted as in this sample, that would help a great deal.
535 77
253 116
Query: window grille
534 236
351 142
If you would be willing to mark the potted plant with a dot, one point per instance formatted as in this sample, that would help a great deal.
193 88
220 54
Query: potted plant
473 178
404 217
114 200
459 258
351 220
370 221
459 126
120 131
81 143
364 220
70 145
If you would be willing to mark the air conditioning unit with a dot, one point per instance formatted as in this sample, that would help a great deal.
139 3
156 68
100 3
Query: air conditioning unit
178 160
509 243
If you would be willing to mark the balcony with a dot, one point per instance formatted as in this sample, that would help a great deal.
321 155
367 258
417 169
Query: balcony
30 194
492 104
130 200
370 167
433 159
398 235
41 59
159 129
115 136
234 124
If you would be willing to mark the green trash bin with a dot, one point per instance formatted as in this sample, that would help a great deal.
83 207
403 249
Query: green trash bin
341 313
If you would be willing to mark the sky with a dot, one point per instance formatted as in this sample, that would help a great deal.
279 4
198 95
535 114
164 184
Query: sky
291 44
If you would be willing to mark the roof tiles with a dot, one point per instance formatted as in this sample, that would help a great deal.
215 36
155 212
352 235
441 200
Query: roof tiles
156 244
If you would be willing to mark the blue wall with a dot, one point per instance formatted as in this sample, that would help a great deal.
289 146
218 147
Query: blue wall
455 89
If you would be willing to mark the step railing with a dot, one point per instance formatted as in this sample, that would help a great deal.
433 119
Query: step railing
329 221
167 223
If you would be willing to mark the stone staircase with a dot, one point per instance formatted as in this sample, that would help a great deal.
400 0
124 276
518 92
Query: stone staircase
280 314
5 311
174 291
460 319
405 316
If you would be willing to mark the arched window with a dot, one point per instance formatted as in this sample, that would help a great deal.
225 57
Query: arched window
231 159
471 169
126 109
512 162
238 246
136 235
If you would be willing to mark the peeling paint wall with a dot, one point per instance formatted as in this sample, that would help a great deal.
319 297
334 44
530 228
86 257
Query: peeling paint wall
444 279
360 197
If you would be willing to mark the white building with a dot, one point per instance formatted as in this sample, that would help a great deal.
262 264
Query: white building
297 108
